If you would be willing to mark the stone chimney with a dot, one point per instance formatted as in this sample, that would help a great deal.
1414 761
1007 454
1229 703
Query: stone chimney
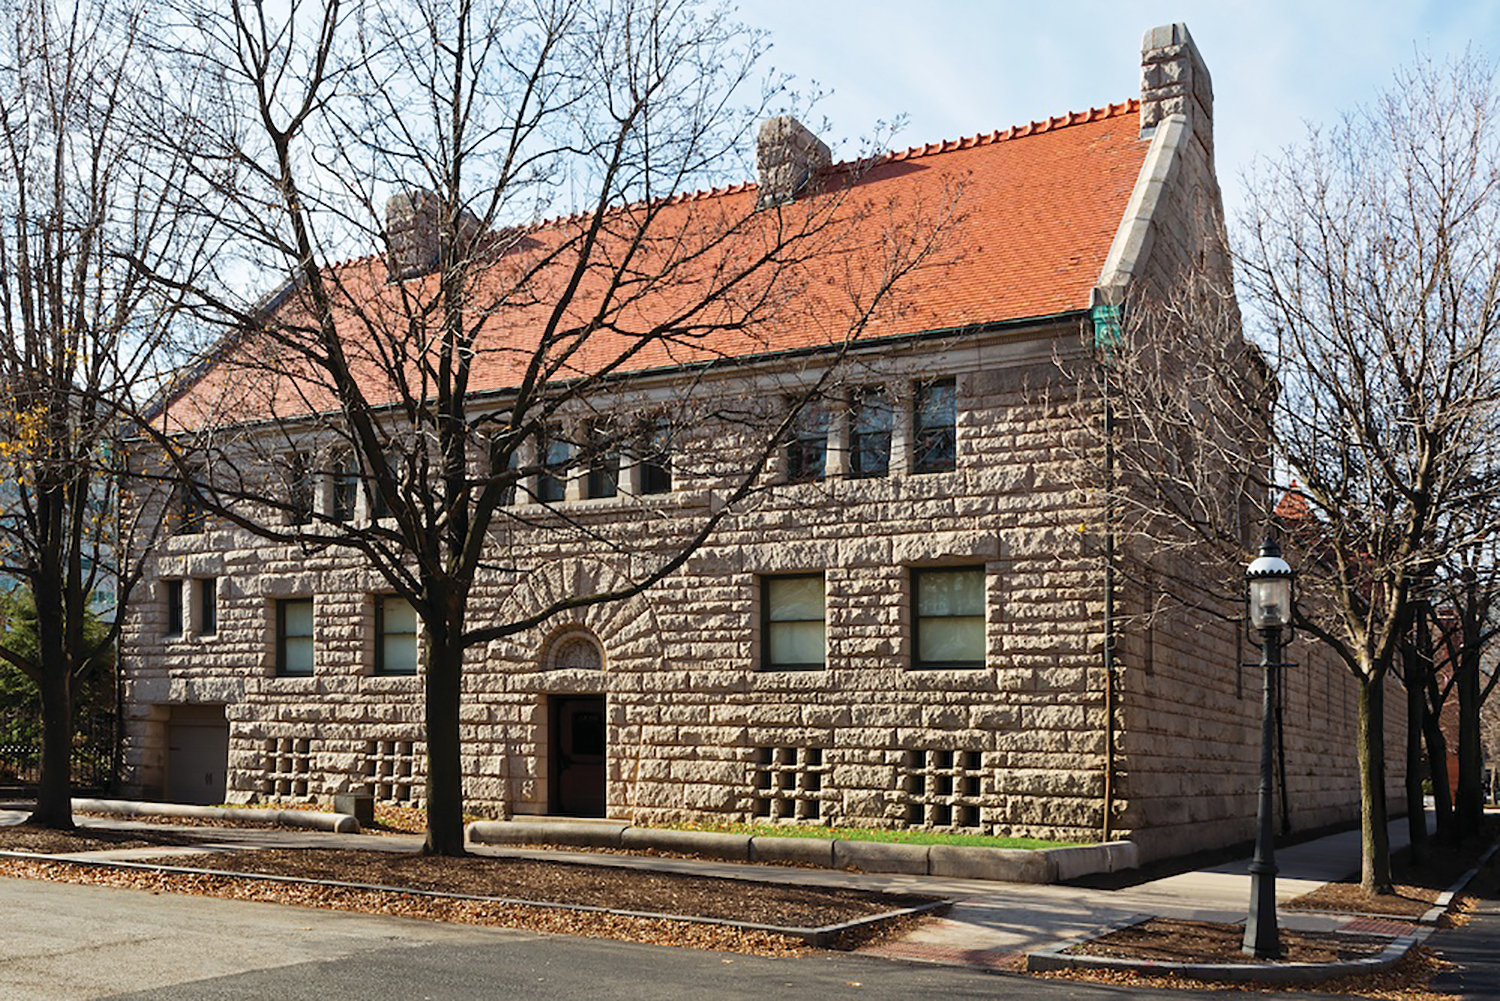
787 156
413 220
1175 81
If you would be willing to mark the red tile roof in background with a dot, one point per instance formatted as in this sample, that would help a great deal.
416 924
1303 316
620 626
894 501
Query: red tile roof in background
1040 205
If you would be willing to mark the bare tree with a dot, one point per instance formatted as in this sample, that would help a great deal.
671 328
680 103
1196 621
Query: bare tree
1370 263
434 379
82 191
1461 611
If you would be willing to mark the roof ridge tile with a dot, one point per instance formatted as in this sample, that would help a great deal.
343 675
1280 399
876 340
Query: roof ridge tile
1067 118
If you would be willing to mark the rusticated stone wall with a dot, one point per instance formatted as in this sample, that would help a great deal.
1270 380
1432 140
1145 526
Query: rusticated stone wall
1013 748
695 730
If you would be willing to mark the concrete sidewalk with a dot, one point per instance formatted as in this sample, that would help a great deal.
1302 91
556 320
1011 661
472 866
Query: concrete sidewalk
991 924
997 926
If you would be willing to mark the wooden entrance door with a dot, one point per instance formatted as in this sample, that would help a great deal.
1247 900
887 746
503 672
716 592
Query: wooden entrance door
577 756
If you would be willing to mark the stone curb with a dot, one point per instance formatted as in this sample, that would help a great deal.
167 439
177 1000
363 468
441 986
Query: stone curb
797 851
552 832
733 847
338 823
1445 899
820 937
882 856
1056 958
1008 865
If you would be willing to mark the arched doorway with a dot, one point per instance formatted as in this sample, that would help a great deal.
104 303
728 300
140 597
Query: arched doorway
577 745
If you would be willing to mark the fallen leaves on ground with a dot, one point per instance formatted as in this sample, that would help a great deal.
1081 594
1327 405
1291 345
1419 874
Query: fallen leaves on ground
1173 940
1406 981
571 883
533 919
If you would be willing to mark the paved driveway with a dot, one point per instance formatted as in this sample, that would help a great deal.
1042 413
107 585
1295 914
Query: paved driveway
60 942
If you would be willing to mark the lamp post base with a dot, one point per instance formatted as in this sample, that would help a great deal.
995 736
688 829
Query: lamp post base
1262 936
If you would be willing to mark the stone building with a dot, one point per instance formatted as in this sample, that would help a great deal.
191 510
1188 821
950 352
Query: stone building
907 627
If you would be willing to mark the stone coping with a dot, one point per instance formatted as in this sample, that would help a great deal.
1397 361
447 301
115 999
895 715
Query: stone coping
338 823
824 936
1057 957
1008 865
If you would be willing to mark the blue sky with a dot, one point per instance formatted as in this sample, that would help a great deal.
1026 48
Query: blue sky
956 68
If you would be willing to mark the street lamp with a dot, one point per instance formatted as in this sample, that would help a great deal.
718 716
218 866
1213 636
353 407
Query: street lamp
1268 597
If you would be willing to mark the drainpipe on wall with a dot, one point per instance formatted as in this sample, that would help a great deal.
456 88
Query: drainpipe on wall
1109 618
1107 334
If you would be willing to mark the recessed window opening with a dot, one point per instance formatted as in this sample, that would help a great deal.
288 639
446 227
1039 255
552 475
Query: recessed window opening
870 425
345 488
656 458
555 451
794 613
208 606
174 607
576 651
395 635
294 637
949 617
936 423
807 451
604 462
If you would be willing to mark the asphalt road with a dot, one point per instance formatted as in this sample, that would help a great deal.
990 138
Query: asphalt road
1475 951
60 942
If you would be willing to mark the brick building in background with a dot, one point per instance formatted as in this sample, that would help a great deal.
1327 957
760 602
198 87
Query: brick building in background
906 628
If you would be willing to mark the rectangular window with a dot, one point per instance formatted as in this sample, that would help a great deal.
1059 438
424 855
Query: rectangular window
378 506
503 466
552 483
807 451
793 616
949 617
345 488
395 635
656 458
935 425
870 425
189 512
299 489
174 607
604 461
208 606
294 637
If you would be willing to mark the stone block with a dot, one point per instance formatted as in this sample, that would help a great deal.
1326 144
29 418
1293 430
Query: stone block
1008 865
793 851
735 847
588 834
881 856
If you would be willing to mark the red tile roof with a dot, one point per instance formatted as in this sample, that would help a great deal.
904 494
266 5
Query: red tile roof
1038 206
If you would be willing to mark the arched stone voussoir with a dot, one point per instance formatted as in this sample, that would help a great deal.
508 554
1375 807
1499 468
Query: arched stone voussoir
627 629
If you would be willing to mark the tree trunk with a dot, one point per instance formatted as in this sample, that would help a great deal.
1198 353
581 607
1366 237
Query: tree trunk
1469 802
1375 847
445 797
1437 764
54 795
1416 719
